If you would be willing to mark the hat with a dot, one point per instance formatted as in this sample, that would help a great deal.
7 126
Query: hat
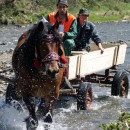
83 11
65 2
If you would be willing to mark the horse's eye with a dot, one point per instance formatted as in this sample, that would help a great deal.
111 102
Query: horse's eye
44 46
44 36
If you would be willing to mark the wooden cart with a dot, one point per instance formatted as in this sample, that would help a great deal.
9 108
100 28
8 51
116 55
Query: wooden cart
83 69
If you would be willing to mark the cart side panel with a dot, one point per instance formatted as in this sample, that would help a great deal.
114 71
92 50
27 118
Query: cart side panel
73 66
94 47
95 61
121 54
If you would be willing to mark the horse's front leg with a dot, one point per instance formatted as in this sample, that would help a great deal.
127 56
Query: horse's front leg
44 113
31 121
52 99
55 93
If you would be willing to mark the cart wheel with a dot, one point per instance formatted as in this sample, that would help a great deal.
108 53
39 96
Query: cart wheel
84 96
120 84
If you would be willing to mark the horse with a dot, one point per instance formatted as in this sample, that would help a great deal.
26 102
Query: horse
38 71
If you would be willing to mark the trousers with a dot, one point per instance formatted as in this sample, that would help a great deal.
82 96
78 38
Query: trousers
68 44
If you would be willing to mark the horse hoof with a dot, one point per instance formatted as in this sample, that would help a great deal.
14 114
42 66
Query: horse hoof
17 105
31 123
47 127
48 118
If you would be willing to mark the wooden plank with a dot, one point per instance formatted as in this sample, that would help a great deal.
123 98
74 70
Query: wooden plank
121 54
94 47
73 66
95 61
115 55
67 91
78 52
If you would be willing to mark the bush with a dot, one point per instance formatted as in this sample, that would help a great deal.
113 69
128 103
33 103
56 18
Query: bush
123 123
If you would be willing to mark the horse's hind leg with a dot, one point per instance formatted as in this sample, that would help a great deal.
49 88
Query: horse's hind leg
12 97
31 121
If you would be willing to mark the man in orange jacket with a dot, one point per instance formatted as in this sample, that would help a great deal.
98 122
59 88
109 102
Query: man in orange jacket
67 30
68 25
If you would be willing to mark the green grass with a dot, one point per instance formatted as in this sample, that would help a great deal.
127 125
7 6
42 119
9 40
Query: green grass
123 123
101 18
28 11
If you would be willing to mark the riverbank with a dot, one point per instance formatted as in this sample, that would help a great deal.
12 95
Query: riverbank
27 12
5 69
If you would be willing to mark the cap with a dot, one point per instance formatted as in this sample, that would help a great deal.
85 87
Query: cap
65 2
83 11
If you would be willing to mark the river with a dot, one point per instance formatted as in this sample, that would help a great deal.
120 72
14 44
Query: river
105 108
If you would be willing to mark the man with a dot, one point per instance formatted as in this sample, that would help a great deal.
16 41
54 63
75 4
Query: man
86 31
67 30
68 25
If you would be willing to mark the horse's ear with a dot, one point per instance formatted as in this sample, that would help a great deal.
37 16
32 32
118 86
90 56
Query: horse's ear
54 28
40 26
56 25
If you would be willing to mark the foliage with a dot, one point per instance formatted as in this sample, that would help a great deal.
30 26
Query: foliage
29 11
123 123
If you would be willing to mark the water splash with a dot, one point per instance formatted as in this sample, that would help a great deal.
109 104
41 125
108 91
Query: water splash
11 119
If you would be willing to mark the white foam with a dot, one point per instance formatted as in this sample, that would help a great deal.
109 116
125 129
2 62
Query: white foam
11 119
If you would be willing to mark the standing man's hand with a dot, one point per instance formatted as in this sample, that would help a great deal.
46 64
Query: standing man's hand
61 34
101 48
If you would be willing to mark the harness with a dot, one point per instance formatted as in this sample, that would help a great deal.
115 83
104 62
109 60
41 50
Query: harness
52 56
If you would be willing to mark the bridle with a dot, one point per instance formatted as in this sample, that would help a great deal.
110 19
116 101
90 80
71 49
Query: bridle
51 56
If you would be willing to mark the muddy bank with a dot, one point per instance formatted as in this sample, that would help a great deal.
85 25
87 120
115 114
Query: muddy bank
5 69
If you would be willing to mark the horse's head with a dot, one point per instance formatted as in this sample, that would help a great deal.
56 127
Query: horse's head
47 47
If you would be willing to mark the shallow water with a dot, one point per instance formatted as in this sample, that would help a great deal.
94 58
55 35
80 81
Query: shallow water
105 108
9 36
114 31
109 32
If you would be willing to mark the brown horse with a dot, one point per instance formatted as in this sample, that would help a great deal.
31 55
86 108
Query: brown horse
39 71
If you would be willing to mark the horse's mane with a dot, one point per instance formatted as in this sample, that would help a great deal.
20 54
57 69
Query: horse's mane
26 52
